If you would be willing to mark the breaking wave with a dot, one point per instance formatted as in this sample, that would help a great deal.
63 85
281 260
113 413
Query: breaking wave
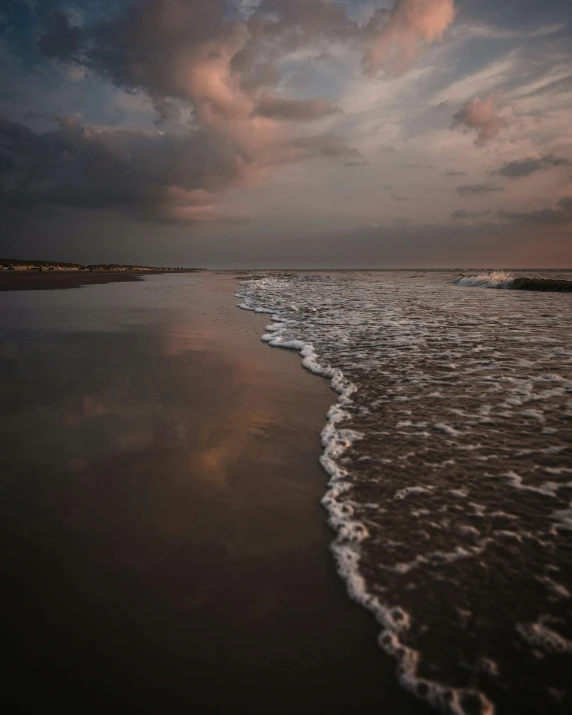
494 279
503 279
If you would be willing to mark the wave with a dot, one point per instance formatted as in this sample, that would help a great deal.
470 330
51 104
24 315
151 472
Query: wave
503 279
350 530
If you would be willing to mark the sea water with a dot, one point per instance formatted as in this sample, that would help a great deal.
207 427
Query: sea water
449 452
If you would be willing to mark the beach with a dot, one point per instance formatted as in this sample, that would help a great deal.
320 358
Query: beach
286 357
164 545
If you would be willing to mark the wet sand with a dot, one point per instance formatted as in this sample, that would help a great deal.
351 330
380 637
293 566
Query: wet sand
56 280
163 544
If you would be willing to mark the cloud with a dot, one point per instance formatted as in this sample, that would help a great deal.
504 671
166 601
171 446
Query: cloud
197 51
275 107
6 163
177 51
555 82
526 167
463 213
307 147
491 32
481 116
160 46
62 40
395 38
479 82
455 173
478 189
153 176
358 162
561 213
226 66
398 197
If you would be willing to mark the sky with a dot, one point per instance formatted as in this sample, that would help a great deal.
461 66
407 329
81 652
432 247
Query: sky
287 133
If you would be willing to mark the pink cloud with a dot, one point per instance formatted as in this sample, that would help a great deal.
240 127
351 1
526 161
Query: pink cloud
411 24
481 116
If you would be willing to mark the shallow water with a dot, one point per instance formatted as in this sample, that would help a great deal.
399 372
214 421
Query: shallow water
450 457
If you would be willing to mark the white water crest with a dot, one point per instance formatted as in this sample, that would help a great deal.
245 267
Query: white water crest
491 279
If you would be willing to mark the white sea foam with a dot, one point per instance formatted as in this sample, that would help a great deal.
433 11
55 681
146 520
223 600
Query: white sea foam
547 488
557 588
406 491
563 518
547 640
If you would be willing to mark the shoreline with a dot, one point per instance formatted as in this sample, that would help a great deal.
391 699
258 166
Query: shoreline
194 556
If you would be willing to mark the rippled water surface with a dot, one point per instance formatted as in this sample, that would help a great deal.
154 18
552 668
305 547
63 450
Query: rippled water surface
450 456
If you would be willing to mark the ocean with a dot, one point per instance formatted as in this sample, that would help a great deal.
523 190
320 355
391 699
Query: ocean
449 452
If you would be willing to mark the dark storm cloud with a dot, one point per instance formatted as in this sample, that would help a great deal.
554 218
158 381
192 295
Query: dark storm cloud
561 213
463 213
526 167
478 189
62 40
158 177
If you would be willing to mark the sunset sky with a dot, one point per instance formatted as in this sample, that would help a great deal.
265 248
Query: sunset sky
287 132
